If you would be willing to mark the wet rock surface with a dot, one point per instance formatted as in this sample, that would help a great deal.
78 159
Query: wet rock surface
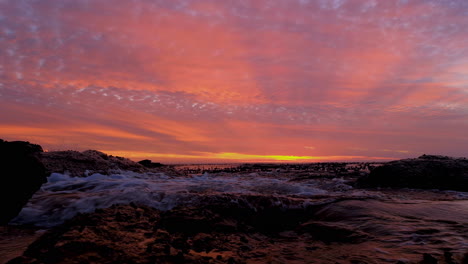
14 240
22 174
425 172
227 231
139 234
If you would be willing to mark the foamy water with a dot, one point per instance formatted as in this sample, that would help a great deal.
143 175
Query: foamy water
403 223
62 197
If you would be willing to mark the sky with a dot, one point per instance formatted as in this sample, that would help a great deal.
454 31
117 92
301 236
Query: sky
181 81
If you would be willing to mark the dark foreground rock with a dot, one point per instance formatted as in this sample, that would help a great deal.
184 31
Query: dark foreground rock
226 230
22 174
425 172
221 232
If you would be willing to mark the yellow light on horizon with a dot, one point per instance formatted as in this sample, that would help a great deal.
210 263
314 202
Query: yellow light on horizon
226 156
239 156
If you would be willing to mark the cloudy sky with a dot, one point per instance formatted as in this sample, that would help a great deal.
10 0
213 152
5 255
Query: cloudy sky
237 80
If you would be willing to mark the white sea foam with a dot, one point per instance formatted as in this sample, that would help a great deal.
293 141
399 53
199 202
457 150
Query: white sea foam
62 197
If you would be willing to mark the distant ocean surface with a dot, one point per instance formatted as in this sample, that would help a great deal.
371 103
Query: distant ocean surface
205 166
404 223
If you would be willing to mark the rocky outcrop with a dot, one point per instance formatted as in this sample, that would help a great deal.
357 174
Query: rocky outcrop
84 163
149 164
22 174
425 172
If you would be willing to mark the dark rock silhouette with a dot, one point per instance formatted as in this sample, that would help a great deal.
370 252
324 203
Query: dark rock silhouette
428 259
82 164
149 164
22 175
425 172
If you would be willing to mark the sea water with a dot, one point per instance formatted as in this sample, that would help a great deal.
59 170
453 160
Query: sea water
398 222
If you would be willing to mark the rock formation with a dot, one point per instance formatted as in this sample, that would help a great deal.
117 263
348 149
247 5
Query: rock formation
22 175
149 164
82 164
425 172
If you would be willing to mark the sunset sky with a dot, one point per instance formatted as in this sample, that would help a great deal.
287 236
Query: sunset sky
237 80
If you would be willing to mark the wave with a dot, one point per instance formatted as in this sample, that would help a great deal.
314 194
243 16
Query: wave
63 196
374 224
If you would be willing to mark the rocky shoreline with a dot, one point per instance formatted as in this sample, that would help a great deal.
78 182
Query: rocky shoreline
25 167
273 226
88 162
223 232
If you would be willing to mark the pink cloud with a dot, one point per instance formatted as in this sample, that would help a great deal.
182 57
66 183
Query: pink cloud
351 78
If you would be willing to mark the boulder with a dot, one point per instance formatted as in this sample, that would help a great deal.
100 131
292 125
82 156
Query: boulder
424 172
149 164
22 174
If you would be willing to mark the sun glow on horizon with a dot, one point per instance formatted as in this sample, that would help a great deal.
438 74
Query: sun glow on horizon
238 157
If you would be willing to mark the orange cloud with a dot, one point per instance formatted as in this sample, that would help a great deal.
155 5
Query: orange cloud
236 80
